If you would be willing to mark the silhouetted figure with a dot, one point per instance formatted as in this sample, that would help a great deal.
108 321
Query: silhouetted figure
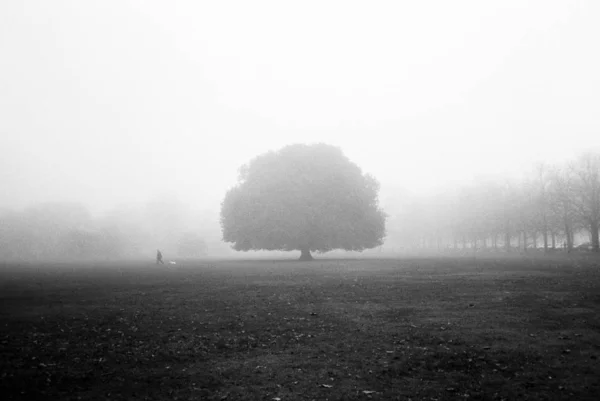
159 257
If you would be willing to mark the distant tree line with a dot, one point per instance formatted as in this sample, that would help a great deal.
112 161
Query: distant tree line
67 231
547 209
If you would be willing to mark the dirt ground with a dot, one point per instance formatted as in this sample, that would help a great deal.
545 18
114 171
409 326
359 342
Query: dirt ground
439 328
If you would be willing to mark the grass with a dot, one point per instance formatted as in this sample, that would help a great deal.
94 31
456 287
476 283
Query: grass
444 328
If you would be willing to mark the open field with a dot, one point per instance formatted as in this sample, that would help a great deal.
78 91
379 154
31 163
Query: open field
422 329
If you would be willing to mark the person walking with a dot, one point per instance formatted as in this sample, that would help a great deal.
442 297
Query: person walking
159 257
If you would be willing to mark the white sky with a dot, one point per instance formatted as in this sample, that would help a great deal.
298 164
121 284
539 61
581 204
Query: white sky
115 101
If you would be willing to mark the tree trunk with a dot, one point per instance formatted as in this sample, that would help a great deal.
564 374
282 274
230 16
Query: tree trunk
568 230
568 242
553 240
507 241
524 241
571 240
545 239
595 238
305 254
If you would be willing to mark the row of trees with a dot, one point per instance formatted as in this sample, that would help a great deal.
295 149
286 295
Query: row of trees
53 231
548 208
312 198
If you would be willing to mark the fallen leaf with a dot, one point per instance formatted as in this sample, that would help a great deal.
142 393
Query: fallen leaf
367 392
326 385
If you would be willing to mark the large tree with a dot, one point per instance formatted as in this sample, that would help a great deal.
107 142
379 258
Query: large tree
306 198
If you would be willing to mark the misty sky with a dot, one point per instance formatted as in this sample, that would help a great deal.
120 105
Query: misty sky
117 101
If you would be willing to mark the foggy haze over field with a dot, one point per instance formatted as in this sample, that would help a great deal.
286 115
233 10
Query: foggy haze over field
122 102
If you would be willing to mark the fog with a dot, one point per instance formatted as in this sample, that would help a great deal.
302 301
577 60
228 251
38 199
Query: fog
115 104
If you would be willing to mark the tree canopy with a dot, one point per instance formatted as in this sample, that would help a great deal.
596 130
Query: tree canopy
306 198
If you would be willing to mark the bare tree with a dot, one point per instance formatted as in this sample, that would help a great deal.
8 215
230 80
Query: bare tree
510 213
540 198
561 197
586 183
